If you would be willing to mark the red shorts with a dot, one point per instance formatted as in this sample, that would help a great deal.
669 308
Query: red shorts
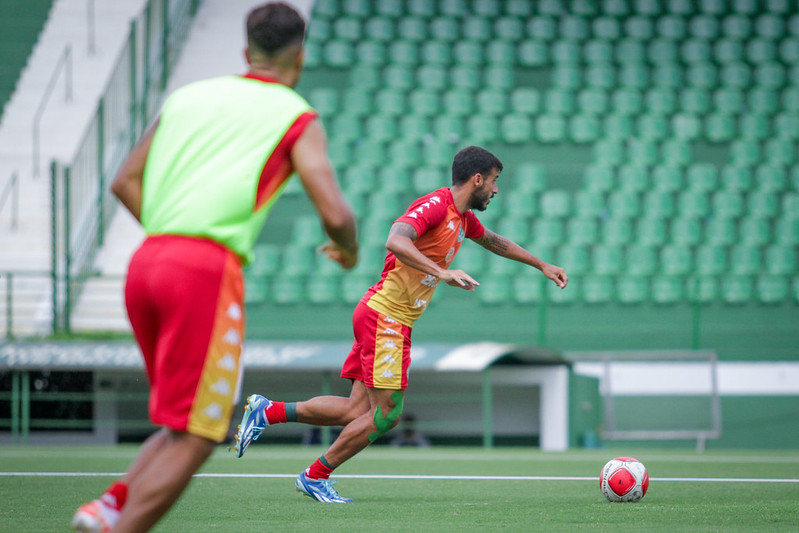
185 303
381 353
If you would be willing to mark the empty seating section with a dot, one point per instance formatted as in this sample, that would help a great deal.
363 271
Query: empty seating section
20 25
689 111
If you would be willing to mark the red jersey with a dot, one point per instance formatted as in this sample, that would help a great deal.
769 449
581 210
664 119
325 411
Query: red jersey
403 292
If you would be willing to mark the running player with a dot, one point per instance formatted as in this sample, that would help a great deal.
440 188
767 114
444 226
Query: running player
421 245
202 182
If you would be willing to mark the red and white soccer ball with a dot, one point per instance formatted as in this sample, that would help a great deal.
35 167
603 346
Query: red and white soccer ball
624 479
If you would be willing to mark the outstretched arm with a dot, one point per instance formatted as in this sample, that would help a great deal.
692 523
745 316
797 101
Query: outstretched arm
127 184
400 243
498 244
309 157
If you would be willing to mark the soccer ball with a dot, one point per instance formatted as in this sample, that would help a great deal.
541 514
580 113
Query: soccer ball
624 479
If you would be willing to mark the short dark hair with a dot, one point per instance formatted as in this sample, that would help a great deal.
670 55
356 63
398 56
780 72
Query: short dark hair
273 26
473 160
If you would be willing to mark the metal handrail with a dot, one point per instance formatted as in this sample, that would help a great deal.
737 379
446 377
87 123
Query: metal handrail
11 190
65 62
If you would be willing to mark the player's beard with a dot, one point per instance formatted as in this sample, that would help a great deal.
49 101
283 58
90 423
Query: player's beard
480 198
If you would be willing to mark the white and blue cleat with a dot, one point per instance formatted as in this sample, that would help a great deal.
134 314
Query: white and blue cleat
253 422
320 490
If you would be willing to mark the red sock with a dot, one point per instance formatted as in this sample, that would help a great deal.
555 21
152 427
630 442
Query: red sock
115 495
276 414
318 470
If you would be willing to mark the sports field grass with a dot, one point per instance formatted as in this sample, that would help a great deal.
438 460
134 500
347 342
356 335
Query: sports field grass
409 491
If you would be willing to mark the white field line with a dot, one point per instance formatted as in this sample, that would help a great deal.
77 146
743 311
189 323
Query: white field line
414 477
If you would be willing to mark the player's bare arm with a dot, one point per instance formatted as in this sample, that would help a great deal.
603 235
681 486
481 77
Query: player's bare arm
127 184
500 245
310 160
400 243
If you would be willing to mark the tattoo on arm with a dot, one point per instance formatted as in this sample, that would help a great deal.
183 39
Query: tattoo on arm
404 229
494 243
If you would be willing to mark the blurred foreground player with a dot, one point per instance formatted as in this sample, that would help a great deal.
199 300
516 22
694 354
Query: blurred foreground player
421 245
202 182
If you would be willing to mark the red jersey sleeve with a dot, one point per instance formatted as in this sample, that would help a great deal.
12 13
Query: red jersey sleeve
474 228
426 212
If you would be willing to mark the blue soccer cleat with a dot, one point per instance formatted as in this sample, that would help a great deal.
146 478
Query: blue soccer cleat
320 490
252 423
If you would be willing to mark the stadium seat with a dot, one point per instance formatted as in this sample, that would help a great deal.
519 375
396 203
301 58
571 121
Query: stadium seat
471 259
444 29
667 290
624 204
597 289
720 231
651 231
516 129
532 53
548 232
356 8
728 51
754 231
627 101
559 296
266 262
780 259
670 75
617 126
379 29
786 231
729 100
432 77
448 127
772 289
736 177
347 29
667 178
755 126
609 151
255 289
421 8
736 75
323 289
607 260
567 77
676 260
711 260
501 52
632 290
338 54
306 231
550 128
287 289
599 178
702 289
634 75
736 290
483 128
584 129
403 53
693 204
582 231
468 53
510 28
465 77
763 203
495 290
641 260
745 259
576 259
588 203
527 289
720 127
736 27
412 29
778 152
525 101
616 231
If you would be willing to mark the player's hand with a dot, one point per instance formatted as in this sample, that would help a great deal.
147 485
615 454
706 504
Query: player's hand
344 257
556 274
459 278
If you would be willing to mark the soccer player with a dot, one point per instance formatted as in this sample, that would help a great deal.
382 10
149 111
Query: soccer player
421 245
202 182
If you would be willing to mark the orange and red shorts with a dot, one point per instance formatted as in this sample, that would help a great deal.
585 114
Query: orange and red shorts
184 298
381 353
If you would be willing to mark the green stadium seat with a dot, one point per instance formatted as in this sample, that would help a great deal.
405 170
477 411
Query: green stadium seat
763 100
529 177
353 286
548 232
632 290
438 152
790 200
651 231
323 289
588 203
736 177
326 9
686 126
780 259
379 29
669 75
582 230
584 129
617 127
368 152
736 27
359 178
598 51
745 152
527 289
661 101
433 77
381 127
498 265
520 203
567 77
516 229
660 51
542 28
483 128
445 29
341 152
402 155
574 258
652 127
338 54
501 53
736 290
658 204
348 29
598 178
681 7
778 152
391 9
641 260
425 103
565 52
319 31
790 99
421 8
694 51
677 152
525 101
471 259
760 51
574 28
667 177
356 8
266 260
609 151
772 289
465 78
672 28
412 29
601 76
686 231
693 203
711 260
607 260
627 101
630 51
643 152
255 289
458 102
492 102
736 75
367 78
720 127
532 53
624 204
616 8
771 75
550 128
720 231
404 53
727 204
476 28
745 259
640 28
500 77
729 100
516 129
287 289
397 78
704 27
468 53
371 53
676 259
755 126
518 8
592 101
597 289
704 289
763 204
510 28
306 231
789 50
647 7
728 51
555 203
667 290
